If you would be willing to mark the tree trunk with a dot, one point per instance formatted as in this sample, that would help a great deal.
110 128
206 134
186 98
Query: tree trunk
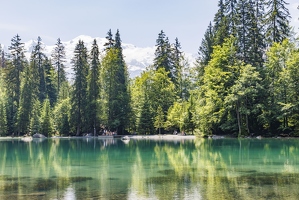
239 119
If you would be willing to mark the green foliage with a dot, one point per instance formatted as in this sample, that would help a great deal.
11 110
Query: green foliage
163 54
79 94
141 104
281 67
51 85
46 119
159 119
241 97
93 87
61 115
237 87
218 78
35 121
3 117
58 58
37 60
115 101
206 48
175 116
27 98
13 73
277 20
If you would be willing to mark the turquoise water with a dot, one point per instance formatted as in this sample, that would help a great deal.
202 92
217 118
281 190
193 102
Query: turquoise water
146 169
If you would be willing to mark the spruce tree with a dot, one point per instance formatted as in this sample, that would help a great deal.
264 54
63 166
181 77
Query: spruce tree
46 119
206 49
244 13
94 87
123 86
163 54
221 28
145 123
27 97
13 81
35 121
176 60
115 93
277 21
256 34
110 41
51 87
58 58
231 12
38 58
79 94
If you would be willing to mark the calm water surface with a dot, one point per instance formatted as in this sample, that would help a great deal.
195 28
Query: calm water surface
147 169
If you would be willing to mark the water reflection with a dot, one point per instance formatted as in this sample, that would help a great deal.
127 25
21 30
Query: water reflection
144 169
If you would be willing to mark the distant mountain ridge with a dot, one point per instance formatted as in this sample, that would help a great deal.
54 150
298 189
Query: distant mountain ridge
137 58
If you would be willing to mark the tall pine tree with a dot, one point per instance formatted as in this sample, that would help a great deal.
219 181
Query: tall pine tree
163 57
58 58
277 21
94 87
115 93
79 95
13 77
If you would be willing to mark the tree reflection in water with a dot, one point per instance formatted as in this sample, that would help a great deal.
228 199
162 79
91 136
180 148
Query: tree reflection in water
145 169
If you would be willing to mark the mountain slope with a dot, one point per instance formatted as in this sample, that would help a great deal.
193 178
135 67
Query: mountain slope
137 58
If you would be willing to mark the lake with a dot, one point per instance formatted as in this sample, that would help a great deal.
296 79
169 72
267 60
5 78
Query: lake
92 168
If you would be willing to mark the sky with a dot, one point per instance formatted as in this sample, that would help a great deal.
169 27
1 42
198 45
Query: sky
139 21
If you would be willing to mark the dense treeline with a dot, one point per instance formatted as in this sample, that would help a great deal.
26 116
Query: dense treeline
245 82
36 96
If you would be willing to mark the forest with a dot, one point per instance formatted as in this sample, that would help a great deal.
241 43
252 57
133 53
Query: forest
244 83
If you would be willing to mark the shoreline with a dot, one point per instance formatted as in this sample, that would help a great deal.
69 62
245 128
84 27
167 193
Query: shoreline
162 137
143 137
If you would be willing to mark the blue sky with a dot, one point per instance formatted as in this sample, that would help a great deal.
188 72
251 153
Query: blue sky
139 21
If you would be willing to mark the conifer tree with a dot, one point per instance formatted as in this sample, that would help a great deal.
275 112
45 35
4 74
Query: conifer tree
79 94
206 48
58 58
221 28
110 41
62 110
46 119
51 87
244 11
163 54
145 124
176 60
13 77
3 117
35 123
94 87
38 58
256 34
231 10
277 21
115 93
27 97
